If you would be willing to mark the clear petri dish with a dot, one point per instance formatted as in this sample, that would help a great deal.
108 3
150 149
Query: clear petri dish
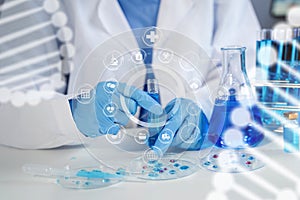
170 166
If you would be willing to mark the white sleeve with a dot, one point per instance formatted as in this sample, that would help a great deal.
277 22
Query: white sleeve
46 125
236 24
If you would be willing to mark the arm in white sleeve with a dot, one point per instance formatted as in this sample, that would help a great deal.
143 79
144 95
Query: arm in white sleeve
46 125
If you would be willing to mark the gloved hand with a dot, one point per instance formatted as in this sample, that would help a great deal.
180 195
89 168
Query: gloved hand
110 107
186 126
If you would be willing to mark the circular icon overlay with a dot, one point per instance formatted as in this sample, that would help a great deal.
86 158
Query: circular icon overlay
110 109
110 86
151 36
86 94
142 136
116 139
113 60
152 155
195 84
165 56
138 56
166 136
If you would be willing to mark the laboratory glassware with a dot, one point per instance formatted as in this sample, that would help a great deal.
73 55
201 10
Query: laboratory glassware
235 124
277 74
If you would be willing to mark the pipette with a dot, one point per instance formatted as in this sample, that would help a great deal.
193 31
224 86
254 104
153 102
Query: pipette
78 179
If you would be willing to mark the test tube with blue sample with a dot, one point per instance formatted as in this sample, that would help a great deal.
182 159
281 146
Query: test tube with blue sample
278 74
153 91
291 132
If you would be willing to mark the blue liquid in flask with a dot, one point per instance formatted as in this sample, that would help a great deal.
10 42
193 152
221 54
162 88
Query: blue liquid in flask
230 129
221 121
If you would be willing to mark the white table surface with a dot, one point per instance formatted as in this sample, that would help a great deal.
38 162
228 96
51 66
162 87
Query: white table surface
15 185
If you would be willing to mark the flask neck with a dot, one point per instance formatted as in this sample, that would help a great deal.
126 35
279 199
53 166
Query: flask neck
233 60
234 77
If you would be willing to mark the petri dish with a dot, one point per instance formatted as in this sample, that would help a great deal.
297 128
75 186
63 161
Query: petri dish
169 167
230 161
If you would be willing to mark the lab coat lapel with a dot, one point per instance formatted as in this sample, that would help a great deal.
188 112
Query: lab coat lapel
114 21
173 12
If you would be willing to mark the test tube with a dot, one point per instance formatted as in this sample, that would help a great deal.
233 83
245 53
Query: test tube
290 132
293 62
264 39
153 91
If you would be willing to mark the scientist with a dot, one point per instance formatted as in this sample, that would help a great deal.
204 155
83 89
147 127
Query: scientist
211 24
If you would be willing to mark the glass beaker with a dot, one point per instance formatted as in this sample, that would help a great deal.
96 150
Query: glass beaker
235 122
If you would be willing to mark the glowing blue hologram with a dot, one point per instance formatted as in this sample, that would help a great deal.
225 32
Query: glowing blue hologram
174 83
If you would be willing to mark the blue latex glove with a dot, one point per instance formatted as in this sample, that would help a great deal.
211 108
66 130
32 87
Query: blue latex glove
105 112
185 129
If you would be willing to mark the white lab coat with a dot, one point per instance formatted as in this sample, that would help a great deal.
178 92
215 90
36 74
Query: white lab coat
210 23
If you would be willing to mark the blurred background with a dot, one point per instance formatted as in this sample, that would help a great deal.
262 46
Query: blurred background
271 12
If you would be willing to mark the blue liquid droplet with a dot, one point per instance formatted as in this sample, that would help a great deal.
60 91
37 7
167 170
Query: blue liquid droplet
106 180
156 169
176 165
152 162
152 174
159 165
184 167
172 172
251 158
207 163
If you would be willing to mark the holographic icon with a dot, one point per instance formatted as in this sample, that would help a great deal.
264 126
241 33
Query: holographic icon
110 109
138 56
195 84
165 56
166 136
85 93
151 36
151 155
113 60
110 86
142 136
116 139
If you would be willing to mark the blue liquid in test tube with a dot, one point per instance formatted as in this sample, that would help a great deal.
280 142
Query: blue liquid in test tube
153 91
291 133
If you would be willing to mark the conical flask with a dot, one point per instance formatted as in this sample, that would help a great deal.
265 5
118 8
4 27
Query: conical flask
235 119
